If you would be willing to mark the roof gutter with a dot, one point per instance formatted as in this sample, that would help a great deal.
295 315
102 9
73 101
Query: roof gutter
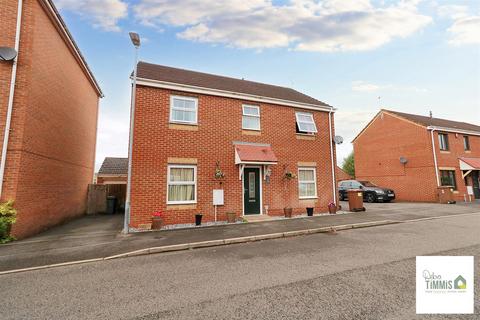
454 130
231 94
13 79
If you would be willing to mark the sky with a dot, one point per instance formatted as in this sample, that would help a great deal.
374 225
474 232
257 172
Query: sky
357 55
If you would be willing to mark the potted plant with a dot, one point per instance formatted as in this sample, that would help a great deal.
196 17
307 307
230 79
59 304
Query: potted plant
288 176
332 207
198 219
231 217
157 220
219 175
310 212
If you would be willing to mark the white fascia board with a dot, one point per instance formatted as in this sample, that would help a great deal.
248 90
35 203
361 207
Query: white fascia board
467 132
230 94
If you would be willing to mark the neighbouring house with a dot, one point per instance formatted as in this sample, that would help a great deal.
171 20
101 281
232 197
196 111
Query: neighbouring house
48 117
342 175
414 154
195 133
114 173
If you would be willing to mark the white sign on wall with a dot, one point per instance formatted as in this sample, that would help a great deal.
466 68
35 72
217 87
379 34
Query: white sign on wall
470 190
218 197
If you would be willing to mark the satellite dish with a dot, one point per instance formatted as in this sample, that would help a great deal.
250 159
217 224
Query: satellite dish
403 160
7 54
338 139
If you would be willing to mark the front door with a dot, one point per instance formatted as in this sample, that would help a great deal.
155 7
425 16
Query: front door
251 190
476 184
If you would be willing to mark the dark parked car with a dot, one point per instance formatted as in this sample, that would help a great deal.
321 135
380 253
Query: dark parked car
371 192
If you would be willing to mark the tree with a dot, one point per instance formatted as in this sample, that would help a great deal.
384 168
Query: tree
349 164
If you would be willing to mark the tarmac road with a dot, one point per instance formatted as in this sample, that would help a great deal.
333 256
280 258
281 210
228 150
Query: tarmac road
356 274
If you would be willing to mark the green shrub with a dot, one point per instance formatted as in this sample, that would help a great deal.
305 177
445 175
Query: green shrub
8 216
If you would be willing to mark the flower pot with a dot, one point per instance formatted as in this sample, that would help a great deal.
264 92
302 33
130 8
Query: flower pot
198 219
288 212
332 210
310 212
157 223
231 217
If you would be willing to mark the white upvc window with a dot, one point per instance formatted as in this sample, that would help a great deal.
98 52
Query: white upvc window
305 122
183 109
250 117
181 184
307 183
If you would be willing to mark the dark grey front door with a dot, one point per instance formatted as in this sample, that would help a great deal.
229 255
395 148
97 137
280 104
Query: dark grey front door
251 190
476 184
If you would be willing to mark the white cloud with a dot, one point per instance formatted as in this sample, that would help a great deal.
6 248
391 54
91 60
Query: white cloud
363 86
465 30
328 25
103 14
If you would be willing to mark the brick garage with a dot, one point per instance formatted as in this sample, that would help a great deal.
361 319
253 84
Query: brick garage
51 149
391 135
158 142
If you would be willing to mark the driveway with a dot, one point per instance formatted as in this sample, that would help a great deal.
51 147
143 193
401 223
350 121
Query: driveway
94 237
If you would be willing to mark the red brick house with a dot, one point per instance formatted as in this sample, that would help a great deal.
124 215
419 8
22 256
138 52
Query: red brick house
195 133
48 118
415 154
342 175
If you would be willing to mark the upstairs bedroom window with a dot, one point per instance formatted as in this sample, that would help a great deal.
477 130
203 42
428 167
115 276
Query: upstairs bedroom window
250 117
305 123
443 141
183 110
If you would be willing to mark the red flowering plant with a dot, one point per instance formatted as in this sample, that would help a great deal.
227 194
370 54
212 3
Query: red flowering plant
158 214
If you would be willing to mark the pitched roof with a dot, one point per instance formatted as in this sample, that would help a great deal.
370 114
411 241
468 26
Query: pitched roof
436 122
204 80
255 153
114 166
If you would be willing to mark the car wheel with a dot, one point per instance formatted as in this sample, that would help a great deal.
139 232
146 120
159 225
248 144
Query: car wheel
370 198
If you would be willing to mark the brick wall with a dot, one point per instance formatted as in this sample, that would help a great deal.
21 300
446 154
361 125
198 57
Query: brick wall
378 149
52 143
342 175
449 159
219 124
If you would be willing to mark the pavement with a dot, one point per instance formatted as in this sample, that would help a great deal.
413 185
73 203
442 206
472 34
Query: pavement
357 274
98 237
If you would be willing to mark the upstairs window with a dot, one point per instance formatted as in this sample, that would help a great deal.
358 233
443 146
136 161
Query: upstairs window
183 109
250 117
466 143
447 178
305 123
307 183
443 141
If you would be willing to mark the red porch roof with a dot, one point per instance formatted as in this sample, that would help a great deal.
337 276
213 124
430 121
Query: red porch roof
248 153
472 162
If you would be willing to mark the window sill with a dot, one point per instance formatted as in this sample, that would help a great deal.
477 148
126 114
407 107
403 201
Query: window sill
468 151
308 198
444 151
303 136
183 126
251 132
184 206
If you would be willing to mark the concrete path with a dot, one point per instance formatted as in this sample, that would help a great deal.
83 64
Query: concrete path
360 274
99 236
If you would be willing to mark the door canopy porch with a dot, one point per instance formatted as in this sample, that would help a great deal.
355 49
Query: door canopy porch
255 154
468 165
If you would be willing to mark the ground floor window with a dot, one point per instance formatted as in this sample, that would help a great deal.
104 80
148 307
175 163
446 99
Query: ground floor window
182 184
307 183
447 178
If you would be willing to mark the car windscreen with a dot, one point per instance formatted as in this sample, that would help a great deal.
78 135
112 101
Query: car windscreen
367 184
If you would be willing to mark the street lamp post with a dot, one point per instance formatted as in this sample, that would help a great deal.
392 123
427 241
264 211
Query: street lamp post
126 222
